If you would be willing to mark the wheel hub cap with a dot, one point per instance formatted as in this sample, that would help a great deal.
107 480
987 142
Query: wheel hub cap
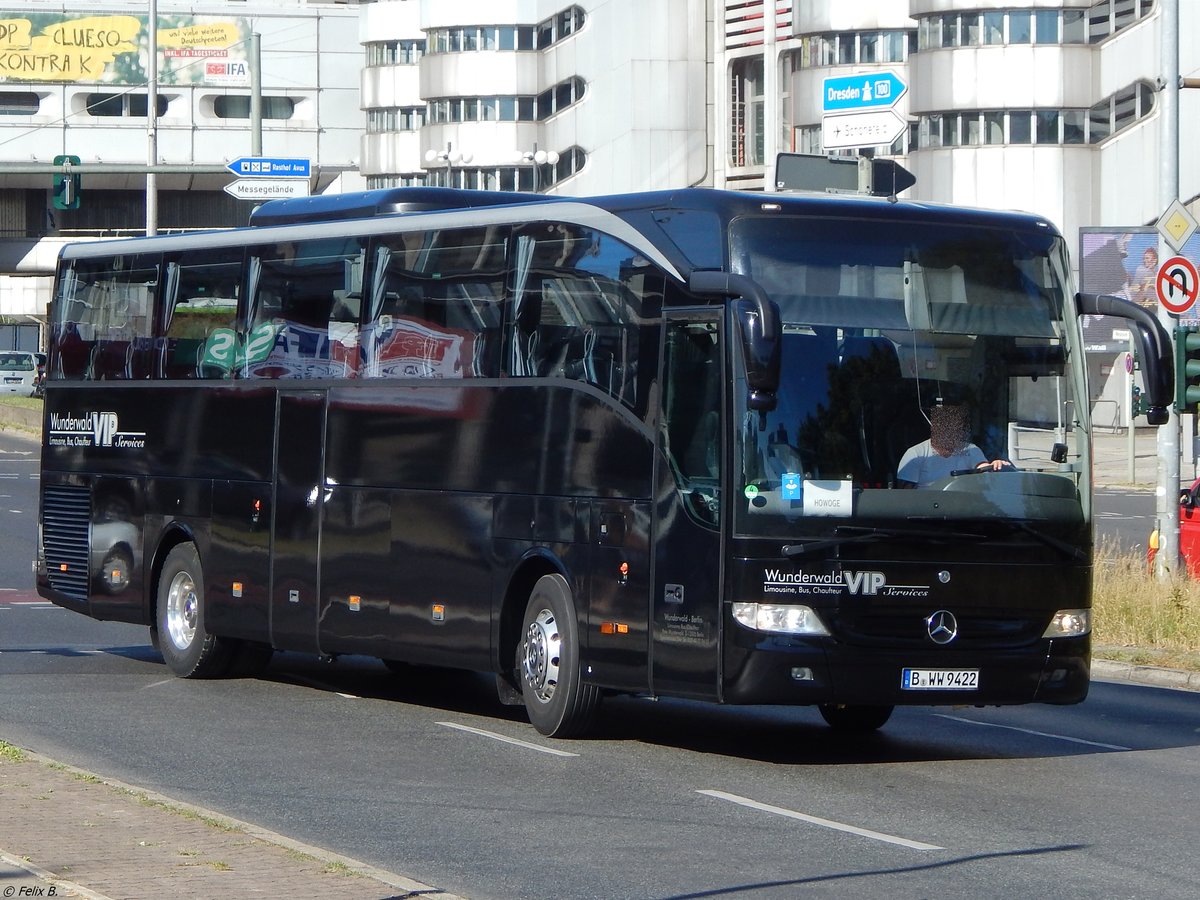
182 606
540 655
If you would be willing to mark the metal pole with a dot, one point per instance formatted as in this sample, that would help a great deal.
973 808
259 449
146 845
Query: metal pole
152 118
256 118
1167 498
1130 380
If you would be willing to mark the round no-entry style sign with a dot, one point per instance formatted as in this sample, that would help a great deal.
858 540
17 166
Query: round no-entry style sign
1177 284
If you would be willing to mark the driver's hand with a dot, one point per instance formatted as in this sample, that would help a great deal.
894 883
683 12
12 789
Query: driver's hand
995 465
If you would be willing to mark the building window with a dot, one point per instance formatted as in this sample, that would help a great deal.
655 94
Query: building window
1040 126
747 112
1030 26
379 182
854 48
395 119
19 103
509 178
236 106
395 53
133 106
507 109
475 38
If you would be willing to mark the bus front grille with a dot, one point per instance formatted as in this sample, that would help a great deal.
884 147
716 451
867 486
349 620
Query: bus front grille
66 513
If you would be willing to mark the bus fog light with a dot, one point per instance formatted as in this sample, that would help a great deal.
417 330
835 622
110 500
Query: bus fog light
802 673
1070 623
779 619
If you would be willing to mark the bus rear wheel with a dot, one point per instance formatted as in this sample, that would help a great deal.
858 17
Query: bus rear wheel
855 718
559 703
186 646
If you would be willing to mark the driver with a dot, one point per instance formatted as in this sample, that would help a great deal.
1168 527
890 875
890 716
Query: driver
948 450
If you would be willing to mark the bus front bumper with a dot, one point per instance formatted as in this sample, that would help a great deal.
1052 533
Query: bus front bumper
813 671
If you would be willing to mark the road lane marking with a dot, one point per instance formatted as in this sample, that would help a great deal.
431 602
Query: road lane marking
1045 734
321 685
507 740
824 823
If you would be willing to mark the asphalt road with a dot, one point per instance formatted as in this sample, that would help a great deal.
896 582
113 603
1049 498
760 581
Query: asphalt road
428 776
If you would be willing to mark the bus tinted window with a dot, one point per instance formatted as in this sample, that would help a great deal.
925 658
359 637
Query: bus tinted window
306 299
200 315
582 301
436 304
103 322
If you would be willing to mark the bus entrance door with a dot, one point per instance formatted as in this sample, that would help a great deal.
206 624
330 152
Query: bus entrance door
296 536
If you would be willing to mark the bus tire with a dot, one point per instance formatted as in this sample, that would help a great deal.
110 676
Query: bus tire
186 646
559 703
857 719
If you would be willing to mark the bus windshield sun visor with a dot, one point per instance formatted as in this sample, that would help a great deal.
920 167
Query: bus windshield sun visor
1153 342
758 321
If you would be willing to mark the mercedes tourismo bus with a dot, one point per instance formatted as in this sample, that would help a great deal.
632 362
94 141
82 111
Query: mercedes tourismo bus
644 444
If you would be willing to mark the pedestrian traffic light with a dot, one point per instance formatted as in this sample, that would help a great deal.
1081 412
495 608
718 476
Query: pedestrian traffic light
65 190
1187 368
1139 406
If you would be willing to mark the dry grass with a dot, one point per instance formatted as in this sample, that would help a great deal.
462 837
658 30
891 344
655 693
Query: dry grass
1139 619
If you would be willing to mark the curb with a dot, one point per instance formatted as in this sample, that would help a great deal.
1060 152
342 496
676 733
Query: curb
401 885
1151 676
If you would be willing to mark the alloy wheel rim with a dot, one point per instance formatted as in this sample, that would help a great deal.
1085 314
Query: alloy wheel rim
182 609
541 653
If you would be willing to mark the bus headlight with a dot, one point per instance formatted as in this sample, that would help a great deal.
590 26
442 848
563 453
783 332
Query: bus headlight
779 618
1070 623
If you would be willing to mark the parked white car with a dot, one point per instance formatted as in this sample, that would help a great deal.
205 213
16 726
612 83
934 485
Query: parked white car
18 372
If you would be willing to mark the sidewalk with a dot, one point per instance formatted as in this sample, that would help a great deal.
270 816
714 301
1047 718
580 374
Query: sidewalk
67 833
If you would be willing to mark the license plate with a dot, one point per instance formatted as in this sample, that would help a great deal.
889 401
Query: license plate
12 380
940 680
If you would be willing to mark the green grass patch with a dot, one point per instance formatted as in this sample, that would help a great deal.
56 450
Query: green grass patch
1140 619
11 753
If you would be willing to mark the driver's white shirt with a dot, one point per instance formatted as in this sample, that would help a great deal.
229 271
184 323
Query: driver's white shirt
922 465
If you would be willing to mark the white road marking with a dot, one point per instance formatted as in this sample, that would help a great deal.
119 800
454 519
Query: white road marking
1045 734
824 823
329 688
507 740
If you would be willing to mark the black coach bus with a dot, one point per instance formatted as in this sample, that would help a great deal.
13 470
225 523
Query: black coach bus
658 444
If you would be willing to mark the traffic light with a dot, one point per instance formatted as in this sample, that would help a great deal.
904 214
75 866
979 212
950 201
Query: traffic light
65 192
1187 367
1139 406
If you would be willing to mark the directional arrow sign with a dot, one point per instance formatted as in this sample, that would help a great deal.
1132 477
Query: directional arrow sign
863 92
268 188
256 166
868 129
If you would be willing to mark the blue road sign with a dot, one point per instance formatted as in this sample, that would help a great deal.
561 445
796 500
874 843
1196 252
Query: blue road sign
862 92
258 166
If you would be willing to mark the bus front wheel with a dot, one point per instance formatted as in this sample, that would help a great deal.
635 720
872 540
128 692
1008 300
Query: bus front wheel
559 703
186 646
855 718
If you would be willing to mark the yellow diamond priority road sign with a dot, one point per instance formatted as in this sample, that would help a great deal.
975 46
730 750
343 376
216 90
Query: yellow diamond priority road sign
1176 225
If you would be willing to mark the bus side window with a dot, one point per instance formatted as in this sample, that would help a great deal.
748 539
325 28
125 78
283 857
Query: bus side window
306 308
104 318
691 415
586 309
439 297
200 335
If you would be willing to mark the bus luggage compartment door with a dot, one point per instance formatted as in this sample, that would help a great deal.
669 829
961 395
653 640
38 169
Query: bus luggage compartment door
296 531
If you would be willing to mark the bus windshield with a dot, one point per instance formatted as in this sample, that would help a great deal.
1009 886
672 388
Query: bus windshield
924 379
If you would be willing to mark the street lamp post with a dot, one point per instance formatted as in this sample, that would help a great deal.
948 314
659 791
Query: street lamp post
450 157
539 158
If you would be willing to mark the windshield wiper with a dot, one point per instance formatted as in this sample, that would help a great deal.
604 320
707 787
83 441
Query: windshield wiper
855 534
